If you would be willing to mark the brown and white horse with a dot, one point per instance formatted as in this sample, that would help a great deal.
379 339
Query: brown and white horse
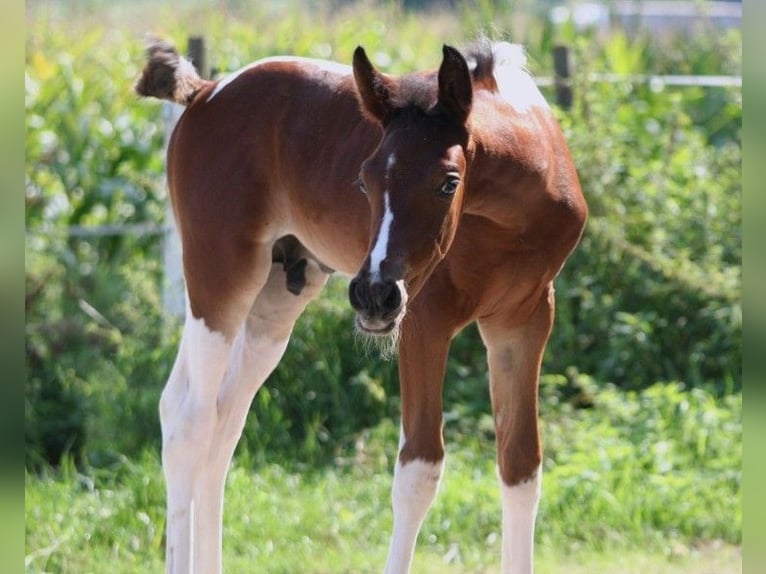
449 195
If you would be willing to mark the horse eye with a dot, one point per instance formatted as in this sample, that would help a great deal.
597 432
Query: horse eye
449 187
362 187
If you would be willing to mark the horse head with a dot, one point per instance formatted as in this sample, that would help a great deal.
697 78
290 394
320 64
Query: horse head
414 181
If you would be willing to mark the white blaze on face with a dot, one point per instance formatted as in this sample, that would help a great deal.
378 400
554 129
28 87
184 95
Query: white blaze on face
380 250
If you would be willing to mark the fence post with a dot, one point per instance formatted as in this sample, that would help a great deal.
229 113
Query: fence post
174 288
198 55
562 76
173 285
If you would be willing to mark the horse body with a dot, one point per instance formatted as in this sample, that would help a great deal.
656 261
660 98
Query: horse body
261 159
448 195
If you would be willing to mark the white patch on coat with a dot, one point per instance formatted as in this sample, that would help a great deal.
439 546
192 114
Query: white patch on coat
516 85
333 67
390 163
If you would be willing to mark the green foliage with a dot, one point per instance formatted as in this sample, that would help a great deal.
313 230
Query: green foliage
93 380
594 457
324 391
94 350
652 293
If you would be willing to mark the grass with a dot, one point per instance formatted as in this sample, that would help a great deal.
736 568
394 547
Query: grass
605 508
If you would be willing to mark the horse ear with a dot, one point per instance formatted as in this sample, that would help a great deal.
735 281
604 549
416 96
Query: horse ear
455 88
375 89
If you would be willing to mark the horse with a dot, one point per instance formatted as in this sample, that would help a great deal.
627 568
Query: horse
448 196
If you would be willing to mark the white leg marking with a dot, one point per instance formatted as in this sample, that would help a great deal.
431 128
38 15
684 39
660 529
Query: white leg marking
380 250
253 357
203 410
188 415
415 486
256 354
519 511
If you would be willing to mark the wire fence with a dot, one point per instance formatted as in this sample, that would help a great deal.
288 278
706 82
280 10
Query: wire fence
111 230
654 80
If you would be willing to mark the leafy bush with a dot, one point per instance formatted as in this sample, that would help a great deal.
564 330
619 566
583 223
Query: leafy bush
326 389
653 292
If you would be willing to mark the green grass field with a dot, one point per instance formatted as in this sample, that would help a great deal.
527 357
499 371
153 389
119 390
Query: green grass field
616 498
328 521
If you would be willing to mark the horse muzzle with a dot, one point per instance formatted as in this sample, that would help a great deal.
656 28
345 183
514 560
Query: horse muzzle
380 305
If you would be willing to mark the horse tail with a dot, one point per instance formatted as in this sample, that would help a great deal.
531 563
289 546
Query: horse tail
168 76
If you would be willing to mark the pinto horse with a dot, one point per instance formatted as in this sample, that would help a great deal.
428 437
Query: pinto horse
448 195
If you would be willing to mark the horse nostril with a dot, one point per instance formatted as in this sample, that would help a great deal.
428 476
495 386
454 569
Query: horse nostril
355 295
393 299
386 297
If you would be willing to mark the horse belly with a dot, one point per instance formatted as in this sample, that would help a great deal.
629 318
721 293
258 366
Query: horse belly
336 243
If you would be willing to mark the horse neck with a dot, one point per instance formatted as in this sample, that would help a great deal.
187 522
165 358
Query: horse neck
521 168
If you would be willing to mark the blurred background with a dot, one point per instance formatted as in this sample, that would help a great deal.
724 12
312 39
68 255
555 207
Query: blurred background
641 385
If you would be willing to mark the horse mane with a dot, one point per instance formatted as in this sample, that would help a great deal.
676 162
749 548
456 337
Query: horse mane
488 61
481 63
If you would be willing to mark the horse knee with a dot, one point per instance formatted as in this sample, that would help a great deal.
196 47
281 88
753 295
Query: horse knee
519 461
186 426
187 419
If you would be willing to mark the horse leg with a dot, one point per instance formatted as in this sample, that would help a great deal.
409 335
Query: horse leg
203 410
515 355
418 471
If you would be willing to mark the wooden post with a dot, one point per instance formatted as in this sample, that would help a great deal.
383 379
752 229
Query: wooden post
197 55
562 76
174 287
